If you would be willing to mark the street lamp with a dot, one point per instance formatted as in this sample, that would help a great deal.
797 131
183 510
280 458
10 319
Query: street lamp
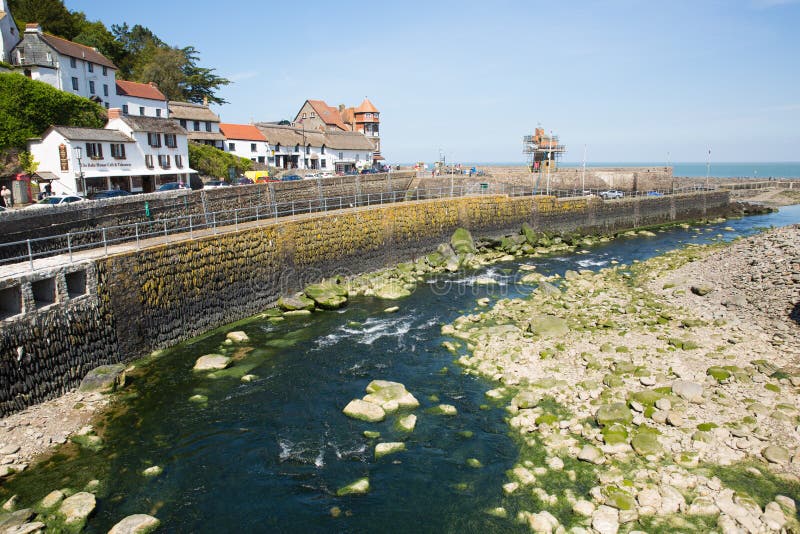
79 154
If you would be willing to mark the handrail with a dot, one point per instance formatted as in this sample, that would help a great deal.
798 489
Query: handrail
73 242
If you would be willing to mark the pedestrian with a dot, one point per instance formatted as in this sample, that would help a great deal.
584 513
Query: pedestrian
6 194
48 189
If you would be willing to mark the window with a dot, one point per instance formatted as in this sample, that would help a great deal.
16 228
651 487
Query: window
125 109
154 139
117 151
322 150
322 163
20 57
231 147
278 147
141 111
304 115
164 161
261 159
183 123
73 63
158 112
94 150
313 114
208 126
148 160
91 87
74 83
308 149
171 140
369 115
341 155
105 71
49 57
90 66
252 147
196 126
297 147
358 157
179 161
105 89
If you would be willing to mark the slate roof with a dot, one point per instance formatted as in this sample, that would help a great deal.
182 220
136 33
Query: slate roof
90 134
139 90
140 123
246 132
191 111
68 48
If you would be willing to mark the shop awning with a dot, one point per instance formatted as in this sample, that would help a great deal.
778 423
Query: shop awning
46 175
138 172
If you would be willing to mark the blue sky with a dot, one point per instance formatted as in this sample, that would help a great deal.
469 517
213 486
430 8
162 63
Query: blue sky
631 80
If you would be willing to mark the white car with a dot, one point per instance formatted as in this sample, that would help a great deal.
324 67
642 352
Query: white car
56 200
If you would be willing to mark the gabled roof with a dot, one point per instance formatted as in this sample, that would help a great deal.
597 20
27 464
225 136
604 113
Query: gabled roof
141 123
246 132
139 90
366 107
327 114
348 141
68 48
90 134
191 111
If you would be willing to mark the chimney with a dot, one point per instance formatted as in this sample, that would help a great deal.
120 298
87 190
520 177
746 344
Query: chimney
341 108
33 27
114 113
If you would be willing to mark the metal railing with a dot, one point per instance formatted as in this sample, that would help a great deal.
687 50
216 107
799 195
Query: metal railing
22 254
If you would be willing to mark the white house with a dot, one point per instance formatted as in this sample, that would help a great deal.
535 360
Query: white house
143 99
133 153
65 65
201 123
245 141
9 34
297 148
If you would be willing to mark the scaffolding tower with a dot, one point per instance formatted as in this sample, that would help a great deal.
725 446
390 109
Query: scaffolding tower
542 151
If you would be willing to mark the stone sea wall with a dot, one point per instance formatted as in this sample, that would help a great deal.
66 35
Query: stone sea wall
152 298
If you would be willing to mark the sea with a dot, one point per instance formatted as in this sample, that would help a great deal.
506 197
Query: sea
788 169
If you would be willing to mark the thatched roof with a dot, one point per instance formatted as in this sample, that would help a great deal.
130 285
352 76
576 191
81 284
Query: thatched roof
140 123
290 136
192 112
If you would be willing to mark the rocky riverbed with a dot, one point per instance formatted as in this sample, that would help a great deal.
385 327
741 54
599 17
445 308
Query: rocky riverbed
658 396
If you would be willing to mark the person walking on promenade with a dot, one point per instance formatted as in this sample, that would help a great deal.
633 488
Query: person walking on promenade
6 194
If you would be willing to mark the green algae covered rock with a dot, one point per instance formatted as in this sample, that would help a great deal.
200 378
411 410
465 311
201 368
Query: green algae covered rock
392 290
359 487
104 379
328 295
548 326
462 242
407 423
382 449
718 373
136 524
645 441
615 434
295 302
530 234
616 412
364 411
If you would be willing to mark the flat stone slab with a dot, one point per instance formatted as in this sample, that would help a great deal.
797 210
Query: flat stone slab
212 362
105 379
238 337
77 508
135 524
364 411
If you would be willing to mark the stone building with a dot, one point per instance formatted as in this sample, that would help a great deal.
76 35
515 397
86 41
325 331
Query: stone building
365 119
201 123
65 65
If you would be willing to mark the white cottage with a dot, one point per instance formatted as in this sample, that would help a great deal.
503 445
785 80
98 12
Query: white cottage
245 141
65 65
136 154
201 123
9 34
142 99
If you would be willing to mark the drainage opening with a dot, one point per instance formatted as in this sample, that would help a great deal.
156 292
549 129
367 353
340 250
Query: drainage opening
76 284
10 302
44 292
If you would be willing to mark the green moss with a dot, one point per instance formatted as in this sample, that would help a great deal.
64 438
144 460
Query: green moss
718 373
772 387
706 427
762 489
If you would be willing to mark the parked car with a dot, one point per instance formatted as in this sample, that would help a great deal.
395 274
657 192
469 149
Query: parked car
611 194
291 178
111 193
56 200
245 181
654 194
171 186
213 184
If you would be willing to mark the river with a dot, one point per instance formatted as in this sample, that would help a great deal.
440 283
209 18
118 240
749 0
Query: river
268 455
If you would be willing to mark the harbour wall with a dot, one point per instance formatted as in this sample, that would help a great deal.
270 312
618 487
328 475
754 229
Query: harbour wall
59 324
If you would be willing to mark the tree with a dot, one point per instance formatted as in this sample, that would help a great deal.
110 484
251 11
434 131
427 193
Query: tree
96 34
27 162
54 17
201 83
28 108
211 161
164 66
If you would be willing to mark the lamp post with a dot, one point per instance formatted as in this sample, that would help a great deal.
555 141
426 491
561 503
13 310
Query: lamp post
79 154
708 167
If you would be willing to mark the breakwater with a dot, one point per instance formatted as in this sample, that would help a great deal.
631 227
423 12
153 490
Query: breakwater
58 324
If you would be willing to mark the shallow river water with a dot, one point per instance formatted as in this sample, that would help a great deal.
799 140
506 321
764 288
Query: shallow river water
269 455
